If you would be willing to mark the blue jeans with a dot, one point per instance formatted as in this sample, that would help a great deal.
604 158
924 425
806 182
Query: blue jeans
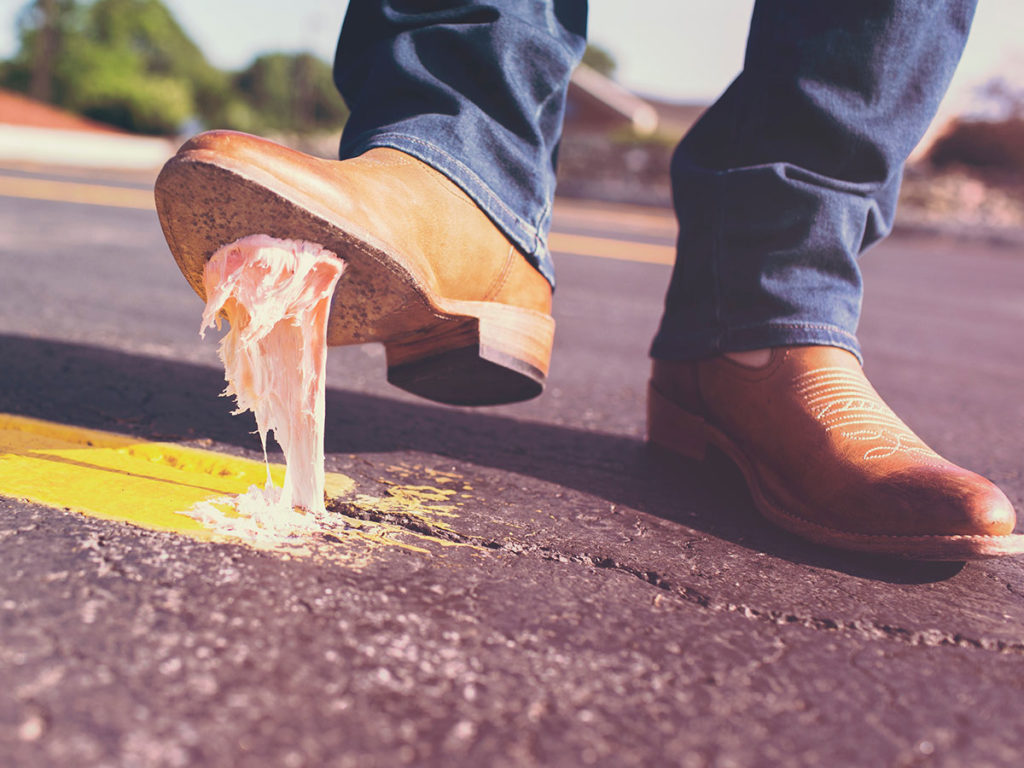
781 185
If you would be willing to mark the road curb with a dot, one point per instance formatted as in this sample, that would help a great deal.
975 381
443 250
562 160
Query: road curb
82 148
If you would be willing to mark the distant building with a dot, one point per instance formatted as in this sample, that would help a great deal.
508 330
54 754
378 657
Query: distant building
617 145
598 103
675 119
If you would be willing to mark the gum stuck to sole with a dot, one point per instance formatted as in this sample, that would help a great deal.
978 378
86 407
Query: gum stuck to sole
458 352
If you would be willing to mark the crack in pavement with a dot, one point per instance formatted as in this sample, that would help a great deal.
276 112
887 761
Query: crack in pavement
866 629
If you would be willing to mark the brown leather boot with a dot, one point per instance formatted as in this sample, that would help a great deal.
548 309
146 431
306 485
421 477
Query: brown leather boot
464 318
826 458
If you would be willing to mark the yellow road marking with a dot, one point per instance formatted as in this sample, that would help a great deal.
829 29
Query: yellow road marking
76 192
115 477
637 219
604 248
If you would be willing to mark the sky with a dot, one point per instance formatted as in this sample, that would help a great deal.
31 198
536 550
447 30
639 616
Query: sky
685 51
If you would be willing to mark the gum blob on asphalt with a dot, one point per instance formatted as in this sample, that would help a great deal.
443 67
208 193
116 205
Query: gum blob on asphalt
276 297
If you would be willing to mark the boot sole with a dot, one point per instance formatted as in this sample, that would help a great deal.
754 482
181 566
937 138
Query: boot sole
686 434
449 351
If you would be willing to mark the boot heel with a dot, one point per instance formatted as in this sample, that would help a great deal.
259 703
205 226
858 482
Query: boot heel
484 354
672 428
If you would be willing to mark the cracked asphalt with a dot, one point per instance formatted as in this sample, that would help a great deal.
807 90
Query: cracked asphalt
543 589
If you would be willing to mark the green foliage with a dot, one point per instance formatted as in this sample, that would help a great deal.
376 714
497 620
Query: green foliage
161 48
129 63
292 92
13 76
600 59
141 103
126 62
43 27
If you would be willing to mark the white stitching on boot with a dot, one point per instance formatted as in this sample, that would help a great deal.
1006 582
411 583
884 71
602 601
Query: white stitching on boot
842 401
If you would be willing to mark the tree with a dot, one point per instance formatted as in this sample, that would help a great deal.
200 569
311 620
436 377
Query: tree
129 63
600 59
291 92
147 28
49 30
43 26
126 62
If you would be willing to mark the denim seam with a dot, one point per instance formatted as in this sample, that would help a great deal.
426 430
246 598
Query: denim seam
531 230
840 337
545 215
716 255
547 30
816 326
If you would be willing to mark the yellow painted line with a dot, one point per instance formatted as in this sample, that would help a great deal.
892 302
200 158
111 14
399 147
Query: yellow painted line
111 476
76 192
604 248
643 220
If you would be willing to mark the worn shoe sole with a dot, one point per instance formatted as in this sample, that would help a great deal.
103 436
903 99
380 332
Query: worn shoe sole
674 429
455 352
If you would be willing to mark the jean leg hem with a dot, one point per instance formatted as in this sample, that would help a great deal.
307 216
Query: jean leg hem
524 235
698 346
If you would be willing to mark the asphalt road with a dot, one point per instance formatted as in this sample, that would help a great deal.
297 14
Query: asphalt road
572 598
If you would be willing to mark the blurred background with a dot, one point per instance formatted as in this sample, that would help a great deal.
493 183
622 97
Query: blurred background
168 68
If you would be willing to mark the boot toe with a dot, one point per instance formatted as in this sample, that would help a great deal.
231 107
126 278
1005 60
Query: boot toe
989 513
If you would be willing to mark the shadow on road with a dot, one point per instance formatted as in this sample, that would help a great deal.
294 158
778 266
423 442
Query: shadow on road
168 400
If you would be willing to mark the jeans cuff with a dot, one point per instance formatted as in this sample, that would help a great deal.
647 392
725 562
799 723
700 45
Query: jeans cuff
527 237
672 346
